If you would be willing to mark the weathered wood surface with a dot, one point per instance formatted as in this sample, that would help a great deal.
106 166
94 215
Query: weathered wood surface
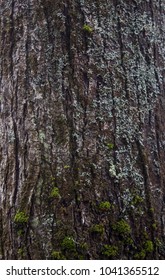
82 131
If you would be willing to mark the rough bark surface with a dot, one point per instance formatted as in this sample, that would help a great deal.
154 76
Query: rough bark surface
82 132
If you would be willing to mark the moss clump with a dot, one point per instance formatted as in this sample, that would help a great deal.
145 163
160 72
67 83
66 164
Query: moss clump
55 193
145 235
154 226
56 255
128 241
21 218
105 205
52 178
83 246
158 242
137 200
140 256
66 166
20 232
110 251
97 229
68 244
151 210
21 253
122 228
87 28
110 146
149 246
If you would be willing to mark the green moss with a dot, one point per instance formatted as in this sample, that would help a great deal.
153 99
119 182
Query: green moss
77 183
52 178
110 146
137 200
154 226
66 166
140 256
20 232
21 218
80 257
122 228
57 255
83 246
105 205
128 241
98 229
21 253
158 242
68 244
145 234
82 249
149 246
110 251
87 28
151 210
55 193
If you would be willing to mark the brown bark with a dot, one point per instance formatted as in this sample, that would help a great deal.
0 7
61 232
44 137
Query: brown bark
82 106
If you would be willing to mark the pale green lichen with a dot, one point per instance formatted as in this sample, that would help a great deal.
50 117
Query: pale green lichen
112 170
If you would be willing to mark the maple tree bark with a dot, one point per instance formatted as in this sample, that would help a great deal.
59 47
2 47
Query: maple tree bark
82 141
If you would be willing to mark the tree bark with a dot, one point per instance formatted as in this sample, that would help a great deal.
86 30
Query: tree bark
82 141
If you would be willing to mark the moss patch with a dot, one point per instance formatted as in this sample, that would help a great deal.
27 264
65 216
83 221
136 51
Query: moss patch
57 255
110 251
68 244
122 228
55 193
104 206
97 229
87 28
149 246
21 217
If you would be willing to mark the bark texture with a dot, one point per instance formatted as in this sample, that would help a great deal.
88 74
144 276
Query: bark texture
82 132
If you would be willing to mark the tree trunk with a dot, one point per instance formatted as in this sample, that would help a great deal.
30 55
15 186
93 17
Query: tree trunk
82 142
